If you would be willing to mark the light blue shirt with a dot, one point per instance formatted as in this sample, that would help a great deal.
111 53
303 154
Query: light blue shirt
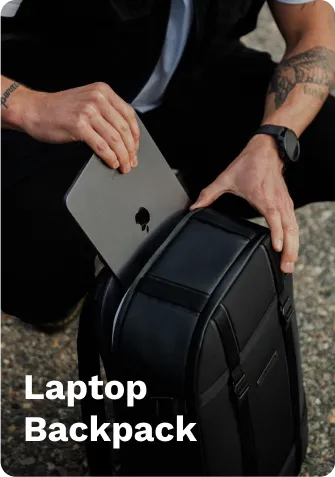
181 15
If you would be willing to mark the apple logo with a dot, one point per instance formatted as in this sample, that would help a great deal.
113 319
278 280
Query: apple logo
143 218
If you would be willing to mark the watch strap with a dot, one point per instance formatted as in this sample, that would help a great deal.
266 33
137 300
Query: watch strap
271 130
283 137
277 132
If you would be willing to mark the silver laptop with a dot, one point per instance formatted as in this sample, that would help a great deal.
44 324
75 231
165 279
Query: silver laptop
127 216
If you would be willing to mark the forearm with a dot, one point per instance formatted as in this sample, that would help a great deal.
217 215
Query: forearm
14 103
301 83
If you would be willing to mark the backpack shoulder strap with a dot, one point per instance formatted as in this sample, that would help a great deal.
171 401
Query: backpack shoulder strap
284 286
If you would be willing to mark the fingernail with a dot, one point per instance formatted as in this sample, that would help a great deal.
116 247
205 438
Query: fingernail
116 165
127 168
289 267
279 245
134 162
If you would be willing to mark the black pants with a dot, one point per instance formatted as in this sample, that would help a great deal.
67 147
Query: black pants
47 262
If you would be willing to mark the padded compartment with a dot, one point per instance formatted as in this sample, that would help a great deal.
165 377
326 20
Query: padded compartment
264 362
150 330
250 296
212 360
219 435
212 249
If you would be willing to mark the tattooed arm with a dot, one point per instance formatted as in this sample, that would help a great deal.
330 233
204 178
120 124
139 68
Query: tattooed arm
302 81
296 94
12 103
314 68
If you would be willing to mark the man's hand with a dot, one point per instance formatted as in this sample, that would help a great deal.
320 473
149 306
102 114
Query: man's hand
94 114
256 175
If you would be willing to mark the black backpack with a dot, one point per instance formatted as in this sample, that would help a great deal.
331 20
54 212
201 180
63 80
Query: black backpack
209 325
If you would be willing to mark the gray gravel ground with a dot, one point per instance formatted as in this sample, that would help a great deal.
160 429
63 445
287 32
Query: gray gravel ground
46 357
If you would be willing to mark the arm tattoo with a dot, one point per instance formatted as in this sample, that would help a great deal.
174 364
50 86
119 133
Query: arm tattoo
316 92
315 66
7 93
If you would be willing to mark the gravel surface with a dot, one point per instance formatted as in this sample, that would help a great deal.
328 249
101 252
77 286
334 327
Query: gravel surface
49 357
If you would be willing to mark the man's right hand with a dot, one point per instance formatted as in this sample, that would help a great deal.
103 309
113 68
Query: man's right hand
94 114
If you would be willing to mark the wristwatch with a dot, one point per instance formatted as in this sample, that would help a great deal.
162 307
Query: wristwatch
286 139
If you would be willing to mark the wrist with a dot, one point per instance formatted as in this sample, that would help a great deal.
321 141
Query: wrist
285 121
12 111
287 142
23 109
267 148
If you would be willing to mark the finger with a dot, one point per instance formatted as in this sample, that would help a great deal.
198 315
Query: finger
114 118
114 141
126 111
291 241
210 194
100 147
273 219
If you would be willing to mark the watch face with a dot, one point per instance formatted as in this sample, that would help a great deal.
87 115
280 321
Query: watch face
291 145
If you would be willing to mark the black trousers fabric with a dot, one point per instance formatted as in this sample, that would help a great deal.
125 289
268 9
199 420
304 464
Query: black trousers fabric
206 120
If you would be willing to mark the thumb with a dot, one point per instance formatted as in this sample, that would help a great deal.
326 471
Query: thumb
209 195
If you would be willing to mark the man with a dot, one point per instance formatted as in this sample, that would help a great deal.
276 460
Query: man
202 95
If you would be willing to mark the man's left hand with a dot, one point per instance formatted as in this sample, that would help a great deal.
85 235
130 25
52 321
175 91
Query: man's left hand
256 176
